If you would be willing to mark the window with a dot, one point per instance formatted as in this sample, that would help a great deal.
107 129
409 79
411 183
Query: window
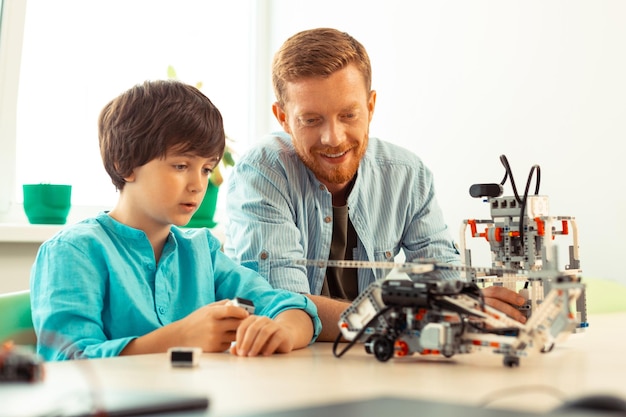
77 55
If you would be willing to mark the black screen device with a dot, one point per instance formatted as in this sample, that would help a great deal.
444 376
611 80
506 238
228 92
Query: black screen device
595 402
411 407
142 403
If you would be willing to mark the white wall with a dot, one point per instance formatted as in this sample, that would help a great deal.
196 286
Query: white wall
462 82
16 260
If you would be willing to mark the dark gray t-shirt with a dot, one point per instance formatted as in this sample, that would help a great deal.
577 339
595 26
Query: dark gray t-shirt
341 282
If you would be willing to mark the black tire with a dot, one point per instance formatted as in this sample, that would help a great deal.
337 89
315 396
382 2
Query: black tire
383 348
511 361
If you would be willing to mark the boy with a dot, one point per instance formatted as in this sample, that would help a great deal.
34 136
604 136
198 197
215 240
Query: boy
130 281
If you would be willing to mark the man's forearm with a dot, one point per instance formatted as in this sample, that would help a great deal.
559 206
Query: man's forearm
329 311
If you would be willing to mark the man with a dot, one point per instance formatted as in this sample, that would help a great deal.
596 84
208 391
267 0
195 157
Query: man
323 189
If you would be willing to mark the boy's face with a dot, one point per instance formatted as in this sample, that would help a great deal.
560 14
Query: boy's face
167 191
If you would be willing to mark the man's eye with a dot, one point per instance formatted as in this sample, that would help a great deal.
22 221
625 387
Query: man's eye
349 116
309 121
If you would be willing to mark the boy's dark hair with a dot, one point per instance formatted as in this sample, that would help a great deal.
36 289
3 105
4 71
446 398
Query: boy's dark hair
155 117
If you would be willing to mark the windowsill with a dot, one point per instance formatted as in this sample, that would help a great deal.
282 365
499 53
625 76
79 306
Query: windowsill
39 233
14 228
27 233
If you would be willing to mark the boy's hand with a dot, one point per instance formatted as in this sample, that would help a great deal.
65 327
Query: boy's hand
258 335
212 327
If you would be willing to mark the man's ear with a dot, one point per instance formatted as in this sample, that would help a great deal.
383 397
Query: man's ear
281 116
371 104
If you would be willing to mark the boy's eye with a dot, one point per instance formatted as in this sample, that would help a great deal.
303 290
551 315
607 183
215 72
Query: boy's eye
207 171
180 167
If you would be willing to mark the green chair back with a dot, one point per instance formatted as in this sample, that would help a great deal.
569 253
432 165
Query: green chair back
605 296
16 323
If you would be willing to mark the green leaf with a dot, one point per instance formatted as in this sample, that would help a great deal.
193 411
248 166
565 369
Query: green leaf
216 177
171 73
228 159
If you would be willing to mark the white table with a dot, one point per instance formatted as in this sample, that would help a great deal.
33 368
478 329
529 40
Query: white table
588 362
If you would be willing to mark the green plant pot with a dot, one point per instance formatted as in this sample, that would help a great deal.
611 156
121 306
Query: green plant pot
47 203
204 216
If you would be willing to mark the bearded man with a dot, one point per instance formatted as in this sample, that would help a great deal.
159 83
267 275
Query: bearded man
324 189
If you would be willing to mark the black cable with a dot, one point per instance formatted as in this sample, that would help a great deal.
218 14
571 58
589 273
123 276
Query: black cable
358 335
509 174
534 168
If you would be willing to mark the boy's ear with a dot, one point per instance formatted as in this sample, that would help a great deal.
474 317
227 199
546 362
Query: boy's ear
130 177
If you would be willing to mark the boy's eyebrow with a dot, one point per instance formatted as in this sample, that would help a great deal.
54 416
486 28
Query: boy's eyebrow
214 158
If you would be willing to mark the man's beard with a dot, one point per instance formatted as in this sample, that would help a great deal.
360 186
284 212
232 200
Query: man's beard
340 174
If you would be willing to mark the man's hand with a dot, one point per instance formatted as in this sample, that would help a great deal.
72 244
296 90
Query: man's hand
505 300
329 311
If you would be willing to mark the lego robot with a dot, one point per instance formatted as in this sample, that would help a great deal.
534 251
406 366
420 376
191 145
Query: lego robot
521 235
433 317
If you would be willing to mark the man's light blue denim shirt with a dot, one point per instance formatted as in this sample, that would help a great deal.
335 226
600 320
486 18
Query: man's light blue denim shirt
280 212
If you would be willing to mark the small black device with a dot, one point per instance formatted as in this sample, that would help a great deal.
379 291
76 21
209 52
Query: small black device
184 357
247 305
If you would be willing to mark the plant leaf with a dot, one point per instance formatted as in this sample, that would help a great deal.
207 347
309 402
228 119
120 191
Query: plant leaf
216 177
171 73
228 159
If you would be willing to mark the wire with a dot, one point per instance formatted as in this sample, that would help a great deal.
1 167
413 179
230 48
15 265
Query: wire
358 335
534 168
522 201
509 174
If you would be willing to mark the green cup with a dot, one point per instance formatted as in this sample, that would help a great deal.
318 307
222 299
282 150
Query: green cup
47 203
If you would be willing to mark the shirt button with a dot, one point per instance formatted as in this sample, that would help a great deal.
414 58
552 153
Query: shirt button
322 187
264 255
161 310
328 219
388 255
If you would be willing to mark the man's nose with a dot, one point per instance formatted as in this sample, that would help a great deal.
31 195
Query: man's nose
333 134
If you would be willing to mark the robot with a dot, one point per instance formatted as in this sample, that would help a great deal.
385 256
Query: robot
521 234
18 364
424 309
430 316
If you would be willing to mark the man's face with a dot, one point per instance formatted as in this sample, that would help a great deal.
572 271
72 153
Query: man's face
328 120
